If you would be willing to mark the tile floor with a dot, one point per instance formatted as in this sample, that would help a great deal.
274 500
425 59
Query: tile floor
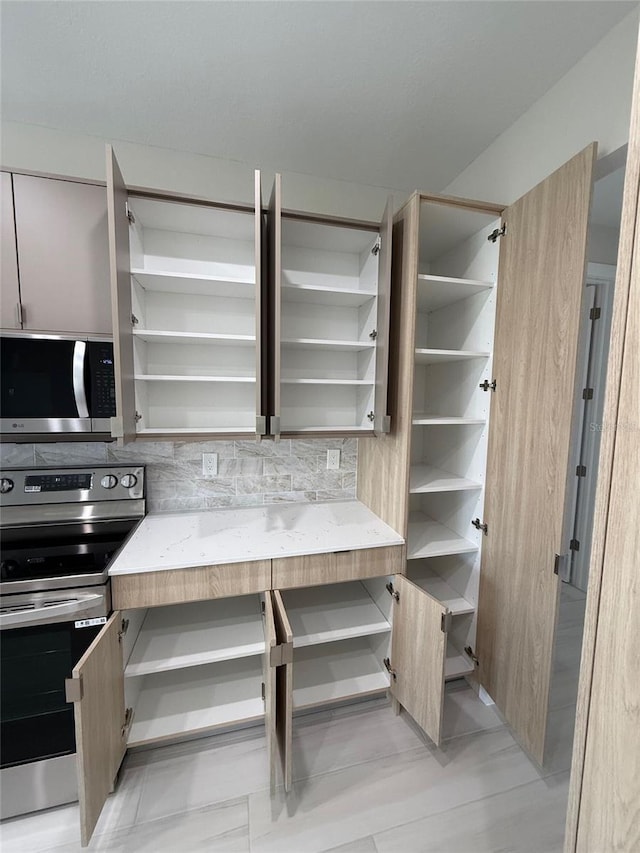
365 781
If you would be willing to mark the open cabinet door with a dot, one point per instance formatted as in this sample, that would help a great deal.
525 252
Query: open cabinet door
382 422
261 316
274 232
541 286
97 690
418 652
123 426
269 674
284 689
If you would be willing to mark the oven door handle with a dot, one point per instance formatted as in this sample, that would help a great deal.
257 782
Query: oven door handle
79 390
33 615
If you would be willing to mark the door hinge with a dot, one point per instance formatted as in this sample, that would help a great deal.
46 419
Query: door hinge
595 313
137 417
392 592
581 471
574 545
126 726
486 385
469 653
371 416
561 566
19 314
130 215
134 320
587 394
281 654
392 672
480 526
498 232
124 627
375 249
274 425
261 425
373 334
263 692
73 689
445 622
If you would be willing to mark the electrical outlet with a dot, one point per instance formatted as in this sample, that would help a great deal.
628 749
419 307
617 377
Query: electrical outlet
210 464
333 460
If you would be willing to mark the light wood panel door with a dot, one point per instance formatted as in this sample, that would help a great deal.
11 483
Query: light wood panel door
382 421
124 424
418 652
63 252
540 288
284 690
274 237
336 566
101 723
10 291
269 675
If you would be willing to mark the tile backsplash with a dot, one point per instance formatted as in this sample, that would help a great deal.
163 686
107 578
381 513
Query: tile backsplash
249 472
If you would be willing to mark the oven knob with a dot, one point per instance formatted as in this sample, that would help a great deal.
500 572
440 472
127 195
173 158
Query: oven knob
109 481
128 481
6 485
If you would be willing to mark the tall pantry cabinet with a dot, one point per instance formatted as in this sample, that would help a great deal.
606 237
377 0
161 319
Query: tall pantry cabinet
475 471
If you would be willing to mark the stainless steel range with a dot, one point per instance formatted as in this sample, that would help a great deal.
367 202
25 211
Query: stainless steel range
59 530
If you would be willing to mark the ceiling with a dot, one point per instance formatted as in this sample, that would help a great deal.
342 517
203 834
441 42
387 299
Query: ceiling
395 94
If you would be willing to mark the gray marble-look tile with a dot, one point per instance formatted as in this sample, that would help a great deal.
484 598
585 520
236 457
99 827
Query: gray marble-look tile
335 494
248 466
250 485
526 819
71 453
319 480
176 504
17 455
214 486
465 713
218 501
289 497
317 446
191 451
349 481
267 447
291 465
142 451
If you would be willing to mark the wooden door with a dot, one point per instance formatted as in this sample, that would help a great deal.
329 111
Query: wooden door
382 422
124 424
274 232
10 308
261 312
97 690
418 652
269 675
63 254
284 689
541 285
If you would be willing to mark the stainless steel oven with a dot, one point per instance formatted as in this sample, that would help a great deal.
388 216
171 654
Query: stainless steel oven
55 385
59 529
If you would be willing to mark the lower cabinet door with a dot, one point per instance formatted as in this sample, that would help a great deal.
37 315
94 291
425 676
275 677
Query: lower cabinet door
418 653
269 675
101 722
284 689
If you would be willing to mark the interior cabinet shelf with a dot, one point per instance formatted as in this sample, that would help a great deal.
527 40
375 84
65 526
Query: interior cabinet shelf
187 282
440 589
436 291
429 538
338 296
438 356
425 419
199 633
426 478
456 663
330 613
304 381
169 337
189 431
327 344
329 674
160 377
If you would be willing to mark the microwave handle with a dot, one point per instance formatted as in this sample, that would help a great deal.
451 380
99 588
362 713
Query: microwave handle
79 390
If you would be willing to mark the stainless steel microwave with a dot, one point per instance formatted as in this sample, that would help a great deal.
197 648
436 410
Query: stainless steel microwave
52 386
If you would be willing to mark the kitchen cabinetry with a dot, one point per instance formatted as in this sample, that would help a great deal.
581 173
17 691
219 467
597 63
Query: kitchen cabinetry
10 290
62 255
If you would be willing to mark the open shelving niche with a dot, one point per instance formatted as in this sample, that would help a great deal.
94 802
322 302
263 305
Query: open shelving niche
455 312
193 281
328 326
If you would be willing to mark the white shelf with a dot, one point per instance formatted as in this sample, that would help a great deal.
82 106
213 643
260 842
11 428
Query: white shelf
436 291
429 538
327 614
425 478
456 663
164 377
205 285
425 419
327 344
327 382
440 589
198 699
185 635
313 295
324 674
339 428
167 337
250 430
438 356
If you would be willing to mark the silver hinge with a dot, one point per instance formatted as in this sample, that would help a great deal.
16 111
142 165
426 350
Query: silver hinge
445 622
137 417
19 314
130 214
385 424
574 545
124 627
480 526
274 425
469 652
263 692
587 394
73 689
561 566
261 425
126 726
134 320
375 249
581 471
498 232
595 313
371 416
392 672
486 385
373 334
281 654
392 592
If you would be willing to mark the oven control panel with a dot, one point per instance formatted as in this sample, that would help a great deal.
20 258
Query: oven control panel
86 484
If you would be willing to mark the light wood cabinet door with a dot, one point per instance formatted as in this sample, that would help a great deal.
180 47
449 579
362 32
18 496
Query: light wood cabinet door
382 421
540 289
274 237
418 652
284 690
269 675
63 254
101 722
336 567
10 289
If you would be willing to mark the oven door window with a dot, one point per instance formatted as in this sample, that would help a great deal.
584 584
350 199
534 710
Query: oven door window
36 721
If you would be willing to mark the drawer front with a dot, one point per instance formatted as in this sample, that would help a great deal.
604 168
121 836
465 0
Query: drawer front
335 567
174 586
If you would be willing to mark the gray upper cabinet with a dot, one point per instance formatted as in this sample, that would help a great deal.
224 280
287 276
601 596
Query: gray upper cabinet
10 291
63 253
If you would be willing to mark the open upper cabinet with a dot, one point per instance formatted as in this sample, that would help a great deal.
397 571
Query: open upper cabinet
210 344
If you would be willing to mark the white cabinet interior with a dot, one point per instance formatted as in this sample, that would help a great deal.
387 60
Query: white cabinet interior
10 311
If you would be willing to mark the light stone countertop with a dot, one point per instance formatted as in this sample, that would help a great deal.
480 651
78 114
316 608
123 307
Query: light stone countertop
181 540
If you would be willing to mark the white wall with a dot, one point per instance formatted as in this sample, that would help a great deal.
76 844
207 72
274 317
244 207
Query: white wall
603 245
591 102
